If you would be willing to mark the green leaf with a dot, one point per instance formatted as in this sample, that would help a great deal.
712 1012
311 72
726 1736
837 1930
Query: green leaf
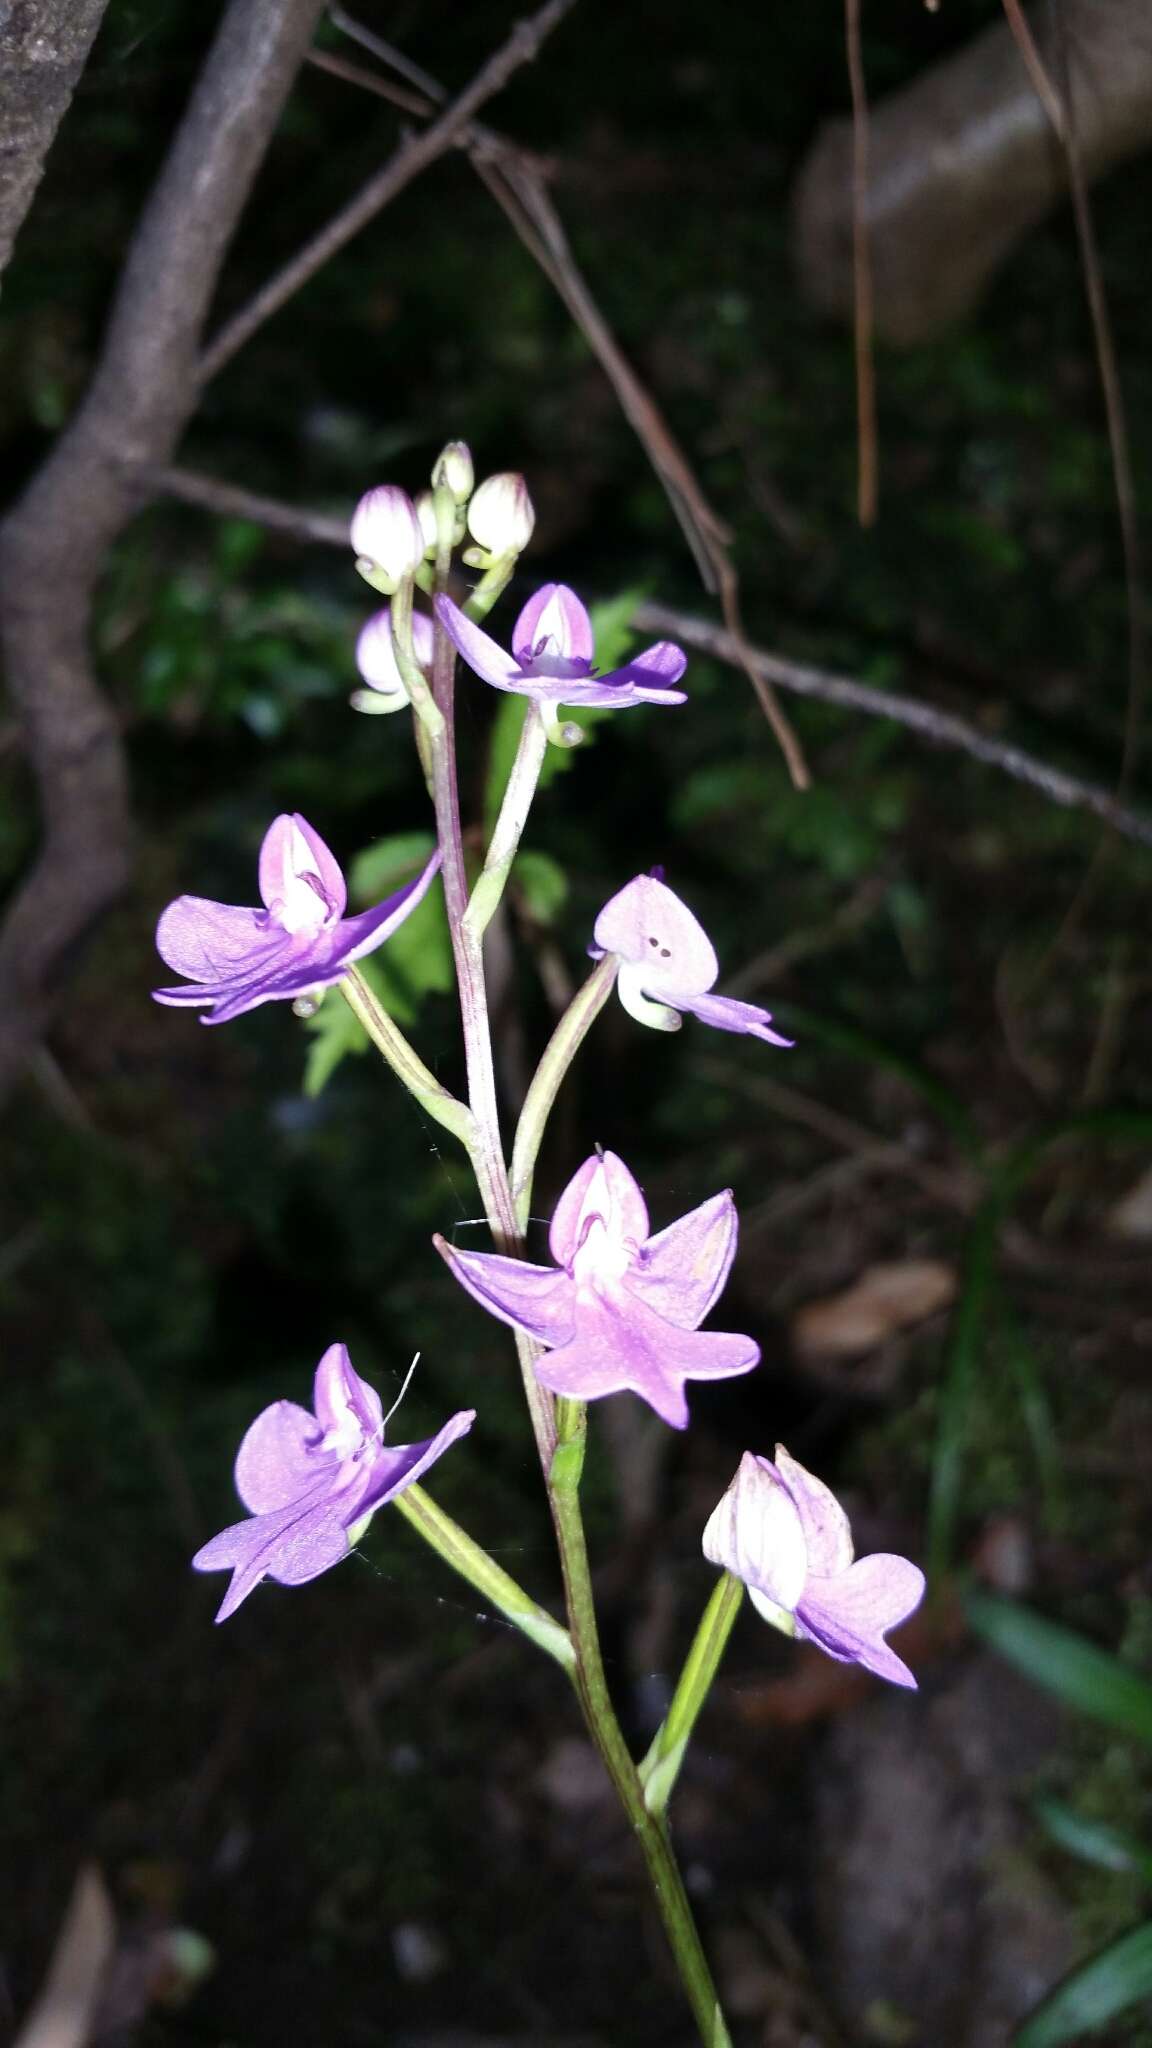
1084 1677
1093 1841
1108 1984
543 884
386 864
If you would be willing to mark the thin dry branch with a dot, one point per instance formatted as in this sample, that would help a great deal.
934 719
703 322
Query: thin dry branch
940 728
54 543
515 182
862 307
412 156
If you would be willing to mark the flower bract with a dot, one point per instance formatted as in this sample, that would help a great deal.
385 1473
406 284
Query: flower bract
236 958
619 1309
784 1533
312 1481
551 657
667 963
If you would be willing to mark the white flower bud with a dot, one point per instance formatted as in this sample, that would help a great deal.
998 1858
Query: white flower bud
387 534
453 468
501 516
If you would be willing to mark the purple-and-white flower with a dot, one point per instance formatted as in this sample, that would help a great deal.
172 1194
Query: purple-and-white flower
236 958
312 1482
551 657
667 963
501 518
619 1309
786 1536
376 661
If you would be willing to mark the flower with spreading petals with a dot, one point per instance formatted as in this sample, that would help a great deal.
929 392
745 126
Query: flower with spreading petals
312 1482
667 963
376 661
236 958
551 658
786 1536
619 1309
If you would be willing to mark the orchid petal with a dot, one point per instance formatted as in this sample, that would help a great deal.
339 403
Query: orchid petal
755 1531
657 1016
207 940
724 1013
346 1406
293 1545
619 1344
649 927
482 654
602 1187
298 871
399 1466
654 670
356 936
537 1299
827 1531
554 613
680 1273
850 1615
279 1458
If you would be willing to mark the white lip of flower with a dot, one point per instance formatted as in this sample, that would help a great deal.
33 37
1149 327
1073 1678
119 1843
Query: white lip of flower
303 910
630 988
603 1255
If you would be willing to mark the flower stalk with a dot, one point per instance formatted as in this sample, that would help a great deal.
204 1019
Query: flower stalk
457 1548
661 1767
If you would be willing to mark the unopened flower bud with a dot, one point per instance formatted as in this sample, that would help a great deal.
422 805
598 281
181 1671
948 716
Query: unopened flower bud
501 515
376 661
386 533
453 468
426 514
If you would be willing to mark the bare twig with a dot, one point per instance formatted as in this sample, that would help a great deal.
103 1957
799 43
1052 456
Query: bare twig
515 181
54 543
412 156
867 480
1058 105
941 728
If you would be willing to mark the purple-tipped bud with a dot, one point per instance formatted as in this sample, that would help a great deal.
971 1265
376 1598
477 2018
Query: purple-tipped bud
453 468
501 516
387 533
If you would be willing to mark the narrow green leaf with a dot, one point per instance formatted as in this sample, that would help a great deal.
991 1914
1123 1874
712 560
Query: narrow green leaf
1093 1841
1086 1678
543 883
1119 1977
386 864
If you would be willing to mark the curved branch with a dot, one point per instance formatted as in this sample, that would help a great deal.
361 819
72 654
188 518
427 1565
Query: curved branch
54 543
44 50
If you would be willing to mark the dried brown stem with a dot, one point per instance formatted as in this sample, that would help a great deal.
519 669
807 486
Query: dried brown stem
412 156
54 543
941 728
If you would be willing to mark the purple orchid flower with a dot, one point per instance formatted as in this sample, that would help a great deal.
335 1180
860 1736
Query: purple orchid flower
312 1482
551 658
376 660
236 958
619 1309
780 1530
667 963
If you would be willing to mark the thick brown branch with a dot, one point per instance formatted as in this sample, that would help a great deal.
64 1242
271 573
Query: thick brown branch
44 47
941 728
413 156
961 164
54 544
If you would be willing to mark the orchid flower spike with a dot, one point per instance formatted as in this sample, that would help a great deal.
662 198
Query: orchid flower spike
376 661
619 1309
667 963
786 1536
551 658
236 958
312 1482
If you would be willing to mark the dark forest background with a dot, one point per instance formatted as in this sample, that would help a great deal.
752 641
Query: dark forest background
361 1812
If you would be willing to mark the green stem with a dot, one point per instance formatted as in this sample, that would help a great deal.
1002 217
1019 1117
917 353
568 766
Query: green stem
661 1767
456 1547
404 1060
604 1728
513 816
558 1056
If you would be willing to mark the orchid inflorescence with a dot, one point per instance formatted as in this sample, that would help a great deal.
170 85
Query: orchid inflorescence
620 1308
